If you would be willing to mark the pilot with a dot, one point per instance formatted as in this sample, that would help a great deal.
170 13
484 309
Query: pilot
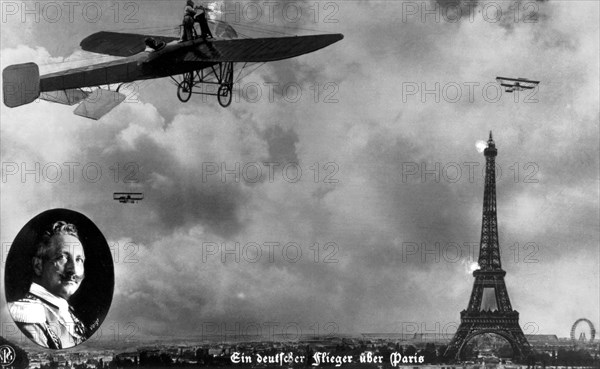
201 19
188 21
44 314
153 45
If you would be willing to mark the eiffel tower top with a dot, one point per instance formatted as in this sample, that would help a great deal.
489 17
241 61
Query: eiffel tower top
489 249
490 149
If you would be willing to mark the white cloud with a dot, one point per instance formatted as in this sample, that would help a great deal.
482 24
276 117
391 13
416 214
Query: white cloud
365 137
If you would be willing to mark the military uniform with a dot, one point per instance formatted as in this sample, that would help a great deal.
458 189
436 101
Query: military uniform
201 18
188 21
48 320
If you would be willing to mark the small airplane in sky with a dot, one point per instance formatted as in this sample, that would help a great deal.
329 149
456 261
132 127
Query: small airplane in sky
189 63
516 84
128 197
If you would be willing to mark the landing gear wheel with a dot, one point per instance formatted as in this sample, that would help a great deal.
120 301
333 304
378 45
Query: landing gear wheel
184 91
224 95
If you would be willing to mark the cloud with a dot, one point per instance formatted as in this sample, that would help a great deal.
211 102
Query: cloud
379 208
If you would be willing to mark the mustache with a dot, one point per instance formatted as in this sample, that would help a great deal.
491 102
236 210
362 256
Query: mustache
71 277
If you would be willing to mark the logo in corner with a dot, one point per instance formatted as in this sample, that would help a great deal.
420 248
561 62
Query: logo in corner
7 355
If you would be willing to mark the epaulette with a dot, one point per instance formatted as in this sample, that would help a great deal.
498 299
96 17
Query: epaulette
27 311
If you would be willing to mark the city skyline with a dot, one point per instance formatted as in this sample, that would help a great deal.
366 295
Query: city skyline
549 350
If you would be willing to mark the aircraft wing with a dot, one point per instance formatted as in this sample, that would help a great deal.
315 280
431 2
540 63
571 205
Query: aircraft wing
227 50
128 44
253 50
119 44
517 80
128 195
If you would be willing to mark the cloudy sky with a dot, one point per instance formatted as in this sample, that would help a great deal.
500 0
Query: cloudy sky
371 215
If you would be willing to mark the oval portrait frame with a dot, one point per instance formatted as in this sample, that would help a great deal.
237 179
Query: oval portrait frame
92 300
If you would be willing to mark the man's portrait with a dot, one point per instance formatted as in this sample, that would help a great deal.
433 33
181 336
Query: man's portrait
48 269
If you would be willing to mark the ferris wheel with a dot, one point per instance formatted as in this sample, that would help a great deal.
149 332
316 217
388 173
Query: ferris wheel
582 334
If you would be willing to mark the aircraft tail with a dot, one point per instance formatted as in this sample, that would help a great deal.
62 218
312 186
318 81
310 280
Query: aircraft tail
21 84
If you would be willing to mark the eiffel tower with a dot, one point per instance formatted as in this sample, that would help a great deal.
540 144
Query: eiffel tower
489 309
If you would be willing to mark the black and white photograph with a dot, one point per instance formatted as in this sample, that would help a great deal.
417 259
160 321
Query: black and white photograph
291 184
59 279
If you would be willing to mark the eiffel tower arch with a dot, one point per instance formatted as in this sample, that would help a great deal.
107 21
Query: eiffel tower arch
489 309
488 322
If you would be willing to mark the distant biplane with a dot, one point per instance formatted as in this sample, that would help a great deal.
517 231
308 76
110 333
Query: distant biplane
128 197
516 84
188 63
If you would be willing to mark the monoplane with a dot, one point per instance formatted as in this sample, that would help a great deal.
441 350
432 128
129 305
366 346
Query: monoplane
208 64
516 84
128 197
